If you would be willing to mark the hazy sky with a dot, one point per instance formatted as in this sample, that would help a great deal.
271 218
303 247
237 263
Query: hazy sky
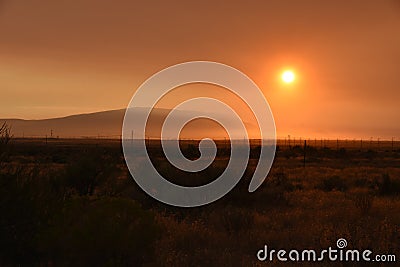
65 57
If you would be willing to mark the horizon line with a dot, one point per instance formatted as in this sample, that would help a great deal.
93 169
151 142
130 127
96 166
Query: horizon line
294 140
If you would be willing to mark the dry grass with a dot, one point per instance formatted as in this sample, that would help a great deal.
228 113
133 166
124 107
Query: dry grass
337 195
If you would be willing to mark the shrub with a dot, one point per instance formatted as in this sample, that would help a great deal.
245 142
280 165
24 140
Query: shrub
237 219
363 201
100 232
192 152
388 186
5 137
27 203
90 170
333 183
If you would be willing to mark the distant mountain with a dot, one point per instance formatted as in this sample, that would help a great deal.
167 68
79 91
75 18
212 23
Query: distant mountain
108 124
105 123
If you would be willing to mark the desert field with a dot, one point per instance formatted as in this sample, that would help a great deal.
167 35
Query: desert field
72 202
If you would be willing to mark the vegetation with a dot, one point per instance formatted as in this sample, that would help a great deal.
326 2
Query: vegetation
73 203
5 138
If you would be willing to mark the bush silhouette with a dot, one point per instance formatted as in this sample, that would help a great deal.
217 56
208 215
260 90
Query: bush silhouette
388 186
5 137
100 232
27 204
85 173
333 183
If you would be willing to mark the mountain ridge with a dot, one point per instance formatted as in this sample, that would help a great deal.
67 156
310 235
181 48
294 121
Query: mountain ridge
108 123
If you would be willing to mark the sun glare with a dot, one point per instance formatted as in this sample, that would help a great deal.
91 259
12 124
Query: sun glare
288 76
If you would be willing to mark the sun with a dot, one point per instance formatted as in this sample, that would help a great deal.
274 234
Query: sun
288 76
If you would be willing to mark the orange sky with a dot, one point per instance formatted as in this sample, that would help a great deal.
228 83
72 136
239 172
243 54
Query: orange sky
66 57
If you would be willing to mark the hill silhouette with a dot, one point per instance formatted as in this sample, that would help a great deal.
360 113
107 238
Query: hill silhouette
108 124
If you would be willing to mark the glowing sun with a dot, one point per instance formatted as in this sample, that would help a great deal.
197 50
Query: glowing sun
288 76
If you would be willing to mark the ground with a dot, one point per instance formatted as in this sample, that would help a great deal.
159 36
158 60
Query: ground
73 202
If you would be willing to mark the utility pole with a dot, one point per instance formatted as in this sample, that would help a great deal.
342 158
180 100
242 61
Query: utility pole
392 144
305 148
